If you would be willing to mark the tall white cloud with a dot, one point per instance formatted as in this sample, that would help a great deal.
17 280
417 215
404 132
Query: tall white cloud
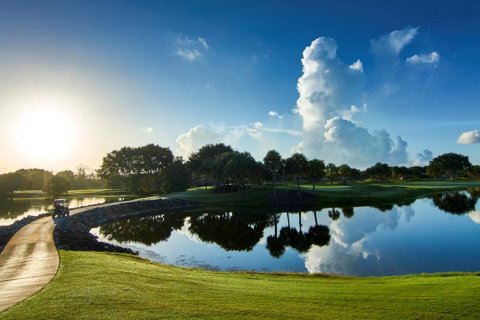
327 91
469 137
393 42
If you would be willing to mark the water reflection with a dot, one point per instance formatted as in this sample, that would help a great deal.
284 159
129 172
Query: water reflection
408 238
455 202
17 209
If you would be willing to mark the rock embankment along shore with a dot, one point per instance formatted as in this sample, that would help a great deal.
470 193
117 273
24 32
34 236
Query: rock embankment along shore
73 233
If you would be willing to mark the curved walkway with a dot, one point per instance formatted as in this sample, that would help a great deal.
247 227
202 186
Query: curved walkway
28 262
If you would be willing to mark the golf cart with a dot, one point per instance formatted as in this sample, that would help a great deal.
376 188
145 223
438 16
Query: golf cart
60 208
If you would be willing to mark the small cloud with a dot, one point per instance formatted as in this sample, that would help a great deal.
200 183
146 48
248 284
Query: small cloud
393 42
356 66
274 114
203 42
469 137
432 58
190 49
189 55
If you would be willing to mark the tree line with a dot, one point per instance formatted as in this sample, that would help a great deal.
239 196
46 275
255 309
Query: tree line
51 184
152 168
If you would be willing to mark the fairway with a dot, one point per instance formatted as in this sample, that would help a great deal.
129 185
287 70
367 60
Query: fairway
93 285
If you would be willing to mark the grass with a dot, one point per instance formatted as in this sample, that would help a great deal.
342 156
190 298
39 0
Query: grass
327 195
91 285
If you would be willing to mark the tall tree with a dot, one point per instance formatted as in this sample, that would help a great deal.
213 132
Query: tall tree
273 162
331 171
316 170
344 171
177 177
297 166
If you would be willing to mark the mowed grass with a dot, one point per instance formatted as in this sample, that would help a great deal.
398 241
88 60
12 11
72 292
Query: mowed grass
91 285
327 195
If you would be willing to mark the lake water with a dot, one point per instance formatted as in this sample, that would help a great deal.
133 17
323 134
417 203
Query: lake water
428 235
11 211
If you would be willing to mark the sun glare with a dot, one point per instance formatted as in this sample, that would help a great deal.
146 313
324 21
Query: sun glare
44 132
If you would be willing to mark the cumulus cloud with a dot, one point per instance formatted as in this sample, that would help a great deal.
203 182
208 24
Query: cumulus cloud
431 58
469 137
364 147
423 158
191 49
393 42
274 114
195 138
356 66
326 89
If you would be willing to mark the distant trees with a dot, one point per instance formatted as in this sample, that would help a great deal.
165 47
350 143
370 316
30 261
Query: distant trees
9 183
449 164
379 171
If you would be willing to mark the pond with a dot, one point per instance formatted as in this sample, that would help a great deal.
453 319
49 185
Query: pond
17 209
436 234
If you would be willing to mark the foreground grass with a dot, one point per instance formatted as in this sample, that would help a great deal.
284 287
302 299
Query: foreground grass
93 285
328 195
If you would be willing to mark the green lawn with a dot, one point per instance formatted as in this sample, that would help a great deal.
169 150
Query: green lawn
327 195
92 285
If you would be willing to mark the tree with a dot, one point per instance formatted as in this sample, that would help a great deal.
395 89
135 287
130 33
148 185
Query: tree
331 171
9 183
56 186
474 172
316 170
177 177
273 162
344 172
140 169
296 165
201 163
380 171
241 168
449 164
67 175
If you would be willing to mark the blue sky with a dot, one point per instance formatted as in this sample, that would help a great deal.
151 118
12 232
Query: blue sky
184 73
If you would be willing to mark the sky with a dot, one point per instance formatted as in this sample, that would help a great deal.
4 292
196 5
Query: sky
355 82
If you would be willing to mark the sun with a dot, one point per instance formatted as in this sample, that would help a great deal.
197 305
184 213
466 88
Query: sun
44 133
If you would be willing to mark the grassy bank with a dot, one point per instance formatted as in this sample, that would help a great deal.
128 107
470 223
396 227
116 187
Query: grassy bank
327 195
92 285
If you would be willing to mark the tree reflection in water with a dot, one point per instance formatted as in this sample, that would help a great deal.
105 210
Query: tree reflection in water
147 230
231 231
455 202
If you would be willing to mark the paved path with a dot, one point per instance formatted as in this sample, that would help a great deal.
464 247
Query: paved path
28 262
30 259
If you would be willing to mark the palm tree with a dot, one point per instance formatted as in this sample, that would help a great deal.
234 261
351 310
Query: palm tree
273 162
